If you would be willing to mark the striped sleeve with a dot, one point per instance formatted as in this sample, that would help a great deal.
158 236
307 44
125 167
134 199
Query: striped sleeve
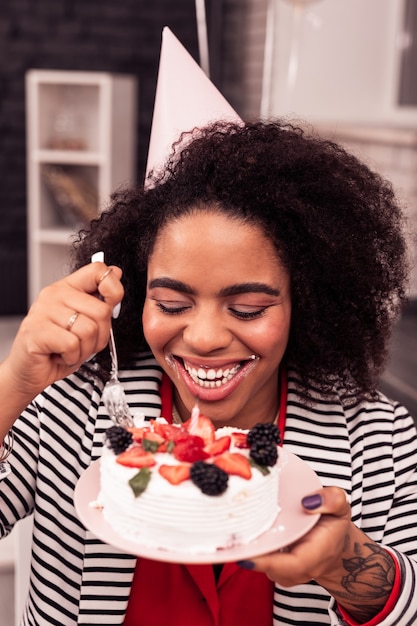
74 578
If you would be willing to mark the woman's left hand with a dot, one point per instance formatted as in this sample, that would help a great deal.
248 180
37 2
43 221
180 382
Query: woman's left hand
356 571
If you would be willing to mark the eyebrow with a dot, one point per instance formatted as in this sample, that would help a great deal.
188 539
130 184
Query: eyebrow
239 288
232 290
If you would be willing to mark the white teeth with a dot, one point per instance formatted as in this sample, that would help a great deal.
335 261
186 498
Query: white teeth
211 378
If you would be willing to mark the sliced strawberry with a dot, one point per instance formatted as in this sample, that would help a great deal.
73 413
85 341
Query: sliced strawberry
170 432
136 456
218 445
139 433
152 442
175 474
234 463
204 428
184 435
158 427
165 447
240 440
191 450
151 436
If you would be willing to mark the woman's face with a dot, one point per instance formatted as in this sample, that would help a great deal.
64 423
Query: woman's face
217 317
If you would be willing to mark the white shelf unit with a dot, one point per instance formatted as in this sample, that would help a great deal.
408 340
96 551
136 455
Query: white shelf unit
81 146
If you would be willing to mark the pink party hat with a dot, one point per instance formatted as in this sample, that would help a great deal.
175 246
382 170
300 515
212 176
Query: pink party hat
185 99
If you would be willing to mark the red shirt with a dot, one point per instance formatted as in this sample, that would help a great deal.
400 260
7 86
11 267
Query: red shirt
187 595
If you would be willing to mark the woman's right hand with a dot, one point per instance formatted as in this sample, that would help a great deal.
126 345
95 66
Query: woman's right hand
68 323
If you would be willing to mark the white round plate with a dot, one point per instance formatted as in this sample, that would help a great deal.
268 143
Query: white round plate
297 479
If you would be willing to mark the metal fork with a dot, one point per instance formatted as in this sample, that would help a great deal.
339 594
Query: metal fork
114 398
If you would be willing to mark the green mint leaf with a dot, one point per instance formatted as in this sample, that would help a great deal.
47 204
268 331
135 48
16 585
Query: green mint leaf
262 468
140 481
149 445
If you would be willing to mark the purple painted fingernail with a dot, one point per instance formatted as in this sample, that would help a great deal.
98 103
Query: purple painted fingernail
246 564
312 502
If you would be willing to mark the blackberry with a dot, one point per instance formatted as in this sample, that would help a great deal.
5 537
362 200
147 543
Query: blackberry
118 439
264 453
209 478
264 433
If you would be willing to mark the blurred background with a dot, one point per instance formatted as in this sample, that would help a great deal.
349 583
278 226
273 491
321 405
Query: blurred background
77 85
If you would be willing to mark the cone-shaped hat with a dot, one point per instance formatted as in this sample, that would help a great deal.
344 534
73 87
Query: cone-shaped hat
185 99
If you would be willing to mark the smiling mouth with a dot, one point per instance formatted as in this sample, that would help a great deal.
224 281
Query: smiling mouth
215 377
210 378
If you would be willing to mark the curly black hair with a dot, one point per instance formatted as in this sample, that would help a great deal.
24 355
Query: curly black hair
336 225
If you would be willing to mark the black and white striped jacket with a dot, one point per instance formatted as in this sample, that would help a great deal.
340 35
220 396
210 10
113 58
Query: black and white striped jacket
369 449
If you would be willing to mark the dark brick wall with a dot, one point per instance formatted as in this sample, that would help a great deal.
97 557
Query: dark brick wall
111 35
121 36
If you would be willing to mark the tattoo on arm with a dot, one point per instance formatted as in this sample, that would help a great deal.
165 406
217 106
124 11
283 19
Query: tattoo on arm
368 582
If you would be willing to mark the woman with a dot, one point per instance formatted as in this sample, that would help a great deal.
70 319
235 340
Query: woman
255 241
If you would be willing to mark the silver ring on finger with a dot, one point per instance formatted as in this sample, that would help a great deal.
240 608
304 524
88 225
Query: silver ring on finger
72 320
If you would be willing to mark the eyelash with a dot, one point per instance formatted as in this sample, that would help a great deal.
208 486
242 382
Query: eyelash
242 315
171 311
248 315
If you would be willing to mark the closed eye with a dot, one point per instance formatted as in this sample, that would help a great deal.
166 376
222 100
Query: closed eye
249 314
172 309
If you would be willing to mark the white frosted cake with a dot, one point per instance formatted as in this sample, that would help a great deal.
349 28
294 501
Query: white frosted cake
189 488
